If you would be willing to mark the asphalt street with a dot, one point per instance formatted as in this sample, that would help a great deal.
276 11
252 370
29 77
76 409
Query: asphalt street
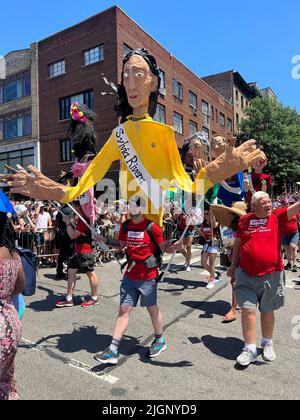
55 360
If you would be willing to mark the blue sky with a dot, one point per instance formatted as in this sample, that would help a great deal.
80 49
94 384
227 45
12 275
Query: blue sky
258 38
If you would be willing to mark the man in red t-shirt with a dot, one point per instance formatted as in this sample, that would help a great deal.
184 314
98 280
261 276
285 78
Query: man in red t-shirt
141 238
258 266
83 261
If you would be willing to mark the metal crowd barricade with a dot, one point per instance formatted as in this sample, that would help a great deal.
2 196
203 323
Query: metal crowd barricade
46 250
43 244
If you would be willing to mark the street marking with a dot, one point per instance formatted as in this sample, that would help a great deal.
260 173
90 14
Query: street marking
71 362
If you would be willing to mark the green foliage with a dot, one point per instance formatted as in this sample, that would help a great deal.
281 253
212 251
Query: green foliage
277 130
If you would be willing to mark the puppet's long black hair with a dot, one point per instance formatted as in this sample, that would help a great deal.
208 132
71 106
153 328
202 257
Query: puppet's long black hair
123 108
83 135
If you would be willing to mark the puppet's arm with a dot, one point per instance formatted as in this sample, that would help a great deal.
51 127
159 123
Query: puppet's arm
233 160
40 187
96 170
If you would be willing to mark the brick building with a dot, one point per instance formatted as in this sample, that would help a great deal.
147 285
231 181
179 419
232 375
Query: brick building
19 127
235 89
70 67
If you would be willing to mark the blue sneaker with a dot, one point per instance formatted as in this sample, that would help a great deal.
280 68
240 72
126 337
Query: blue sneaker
108 356
157 347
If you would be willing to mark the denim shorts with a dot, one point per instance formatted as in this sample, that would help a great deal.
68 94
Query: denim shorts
188 234
292 238
132 290
266 292
209 249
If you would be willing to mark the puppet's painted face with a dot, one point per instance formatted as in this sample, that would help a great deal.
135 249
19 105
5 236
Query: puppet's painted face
139 82
218 146
259 166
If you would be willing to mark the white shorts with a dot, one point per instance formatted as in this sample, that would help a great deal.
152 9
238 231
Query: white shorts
208 249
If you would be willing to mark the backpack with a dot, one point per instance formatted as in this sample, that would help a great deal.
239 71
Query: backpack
29 263
158 255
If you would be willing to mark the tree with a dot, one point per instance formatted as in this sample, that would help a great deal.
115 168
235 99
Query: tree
277 131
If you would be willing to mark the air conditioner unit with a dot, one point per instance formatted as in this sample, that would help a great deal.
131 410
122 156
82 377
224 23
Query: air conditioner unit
195 111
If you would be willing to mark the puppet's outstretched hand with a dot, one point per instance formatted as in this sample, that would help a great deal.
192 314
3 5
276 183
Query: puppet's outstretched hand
34 185
233 160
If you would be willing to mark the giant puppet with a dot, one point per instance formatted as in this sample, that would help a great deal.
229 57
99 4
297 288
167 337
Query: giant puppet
147 150
258 180
82 134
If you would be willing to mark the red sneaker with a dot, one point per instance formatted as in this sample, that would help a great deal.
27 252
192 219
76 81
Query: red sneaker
89 303
64 303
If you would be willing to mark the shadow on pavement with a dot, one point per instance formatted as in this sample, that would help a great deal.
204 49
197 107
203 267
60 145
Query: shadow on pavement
228 348
48 304
184 285
85 338
209 309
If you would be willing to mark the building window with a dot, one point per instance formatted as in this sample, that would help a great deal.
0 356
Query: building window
229 125
177 90
126 50
66 154
178 123
237 96
205 131
242 102
217 116
160 115
11 91
162 89
193 128
237 119
193 100
86 98
23 157
57 69
205 112
17 125
94 55
222 119
212 113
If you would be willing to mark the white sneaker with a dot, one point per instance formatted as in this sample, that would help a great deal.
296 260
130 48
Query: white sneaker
188 269
246 357
210 285
269 354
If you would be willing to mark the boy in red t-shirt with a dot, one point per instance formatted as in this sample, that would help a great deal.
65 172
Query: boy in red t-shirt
259 270
141 238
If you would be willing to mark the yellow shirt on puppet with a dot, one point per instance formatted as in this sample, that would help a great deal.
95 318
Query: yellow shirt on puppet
156 147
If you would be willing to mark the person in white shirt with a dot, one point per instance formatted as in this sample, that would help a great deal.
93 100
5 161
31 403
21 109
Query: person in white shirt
43 222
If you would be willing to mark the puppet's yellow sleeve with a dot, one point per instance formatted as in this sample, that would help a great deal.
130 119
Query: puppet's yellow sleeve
200 186
96 171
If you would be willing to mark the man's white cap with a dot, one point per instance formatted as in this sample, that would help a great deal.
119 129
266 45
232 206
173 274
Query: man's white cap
258 196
